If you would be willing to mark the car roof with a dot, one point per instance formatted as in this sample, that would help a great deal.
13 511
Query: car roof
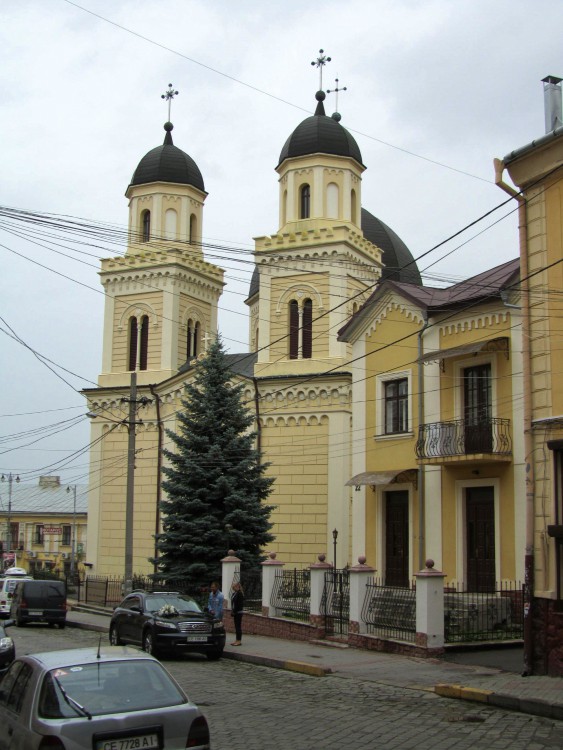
77 656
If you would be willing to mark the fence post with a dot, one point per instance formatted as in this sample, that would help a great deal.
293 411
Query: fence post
430 607
359 576
317 571
229 566
269 569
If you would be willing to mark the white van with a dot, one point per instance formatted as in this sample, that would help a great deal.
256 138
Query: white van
8 583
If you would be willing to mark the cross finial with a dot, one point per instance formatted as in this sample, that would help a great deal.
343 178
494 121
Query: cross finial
169 95
320 62
335 91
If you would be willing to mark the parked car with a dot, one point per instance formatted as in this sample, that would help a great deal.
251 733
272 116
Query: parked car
96 699
7 648
8 582
166 622
39 601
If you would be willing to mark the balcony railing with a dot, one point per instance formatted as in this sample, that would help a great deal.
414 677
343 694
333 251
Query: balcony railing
462 438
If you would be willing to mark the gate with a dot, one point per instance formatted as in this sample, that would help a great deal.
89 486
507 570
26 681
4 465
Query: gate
335 602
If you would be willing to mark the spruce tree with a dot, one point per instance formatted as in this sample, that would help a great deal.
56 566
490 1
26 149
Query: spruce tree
215 483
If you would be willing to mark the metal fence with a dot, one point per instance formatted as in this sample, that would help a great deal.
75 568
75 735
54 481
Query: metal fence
335 602
390 611
291 594
471 616
108 591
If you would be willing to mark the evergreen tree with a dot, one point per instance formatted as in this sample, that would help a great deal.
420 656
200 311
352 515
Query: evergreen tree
215 483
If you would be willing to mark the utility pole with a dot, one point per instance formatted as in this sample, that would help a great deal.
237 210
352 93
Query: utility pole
73 540
9 478
130 498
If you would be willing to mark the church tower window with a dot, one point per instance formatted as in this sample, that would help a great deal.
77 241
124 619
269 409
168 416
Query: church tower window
332 200
132 344
143 359
194 335
353 207
193 229
171 221
293 329
307 346
305 202
146 222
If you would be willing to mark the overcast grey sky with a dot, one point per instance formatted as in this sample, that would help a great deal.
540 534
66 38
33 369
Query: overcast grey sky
435 90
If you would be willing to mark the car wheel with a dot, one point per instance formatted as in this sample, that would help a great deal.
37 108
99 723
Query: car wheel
114 638
61 625
214 655
148 643
19 622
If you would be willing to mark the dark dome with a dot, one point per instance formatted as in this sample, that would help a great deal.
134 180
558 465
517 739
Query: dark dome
398 262
168 163
320 134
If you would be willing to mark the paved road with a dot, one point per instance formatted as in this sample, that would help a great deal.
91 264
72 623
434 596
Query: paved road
252 707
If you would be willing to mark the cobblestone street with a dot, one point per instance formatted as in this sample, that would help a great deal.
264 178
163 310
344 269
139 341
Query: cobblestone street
252 707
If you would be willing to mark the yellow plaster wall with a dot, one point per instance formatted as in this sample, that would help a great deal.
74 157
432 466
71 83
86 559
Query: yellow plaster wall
120 352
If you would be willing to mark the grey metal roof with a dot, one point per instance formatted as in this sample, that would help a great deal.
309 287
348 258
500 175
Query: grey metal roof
398 261
320 134
168 163
32 498
536 143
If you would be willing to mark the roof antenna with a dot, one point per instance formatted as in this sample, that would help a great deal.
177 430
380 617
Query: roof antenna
98 655
336 115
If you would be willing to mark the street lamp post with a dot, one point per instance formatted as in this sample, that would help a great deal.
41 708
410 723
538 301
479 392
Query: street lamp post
334 538
9 478
73 540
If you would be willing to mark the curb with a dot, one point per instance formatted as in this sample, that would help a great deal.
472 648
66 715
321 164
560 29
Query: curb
313 670
534 706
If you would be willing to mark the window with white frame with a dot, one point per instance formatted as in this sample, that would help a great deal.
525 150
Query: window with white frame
393 406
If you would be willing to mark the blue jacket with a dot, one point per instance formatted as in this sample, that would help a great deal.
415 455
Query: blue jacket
215 604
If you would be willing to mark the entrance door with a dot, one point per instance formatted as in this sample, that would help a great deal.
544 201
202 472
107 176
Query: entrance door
477 409
397 538
480 538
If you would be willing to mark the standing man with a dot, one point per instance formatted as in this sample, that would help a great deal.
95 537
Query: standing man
215 601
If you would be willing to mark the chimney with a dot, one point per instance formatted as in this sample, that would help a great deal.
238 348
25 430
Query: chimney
52 481
552 102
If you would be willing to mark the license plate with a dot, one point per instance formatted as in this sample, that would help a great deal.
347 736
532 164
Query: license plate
144 741
196 639
36 612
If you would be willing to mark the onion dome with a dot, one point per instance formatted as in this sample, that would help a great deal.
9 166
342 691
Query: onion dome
168 163
320 134
398 261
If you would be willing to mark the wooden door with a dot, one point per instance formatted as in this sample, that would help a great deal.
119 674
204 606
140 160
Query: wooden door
477 409
480 538
397 538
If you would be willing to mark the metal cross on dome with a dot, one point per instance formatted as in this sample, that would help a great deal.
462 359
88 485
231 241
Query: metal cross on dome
320 62
169 95
335 91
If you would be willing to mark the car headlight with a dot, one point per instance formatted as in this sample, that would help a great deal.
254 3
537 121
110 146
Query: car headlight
6 643
167 625
218 627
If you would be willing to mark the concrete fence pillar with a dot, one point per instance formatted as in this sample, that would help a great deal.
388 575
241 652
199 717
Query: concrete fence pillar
430 607
359 576
269 569
317 571
230 566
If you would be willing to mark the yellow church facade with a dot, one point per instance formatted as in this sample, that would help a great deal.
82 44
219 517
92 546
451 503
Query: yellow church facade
343 337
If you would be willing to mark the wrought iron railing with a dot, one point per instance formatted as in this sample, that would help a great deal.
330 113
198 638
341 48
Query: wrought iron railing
459 438
251 582
495 615
335 602
390 611
291 594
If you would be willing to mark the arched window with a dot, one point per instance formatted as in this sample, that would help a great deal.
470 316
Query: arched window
305 202
194 337
171 223
197 338
190 340
144 353
284 208
353 207
132 344
256 339
293 329
307 329
193 229
146 222
332 200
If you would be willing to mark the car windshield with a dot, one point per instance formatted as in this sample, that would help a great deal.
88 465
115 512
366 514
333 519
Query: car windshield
183 604
107 687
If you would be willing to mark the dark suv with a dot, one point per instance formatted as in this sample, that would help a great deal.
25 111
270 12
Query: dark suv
163 621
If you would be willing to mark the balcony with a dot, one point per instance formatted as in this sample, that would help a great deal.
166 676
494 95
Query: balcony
461 442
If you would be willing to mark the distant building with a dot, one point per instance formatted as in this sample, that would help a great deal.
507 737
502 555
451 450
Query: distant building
45 526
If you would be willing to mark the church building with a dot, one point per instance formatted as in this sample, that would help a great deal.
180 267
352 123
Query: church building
317 268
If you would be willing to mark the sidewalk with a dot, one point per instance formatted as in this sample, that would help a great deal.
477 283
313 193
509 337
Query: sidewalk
542 696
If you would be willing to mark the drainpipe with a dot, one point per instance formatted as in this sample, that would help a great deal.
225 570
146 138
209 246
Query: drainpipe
257 410
158 473
528 443
421 488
